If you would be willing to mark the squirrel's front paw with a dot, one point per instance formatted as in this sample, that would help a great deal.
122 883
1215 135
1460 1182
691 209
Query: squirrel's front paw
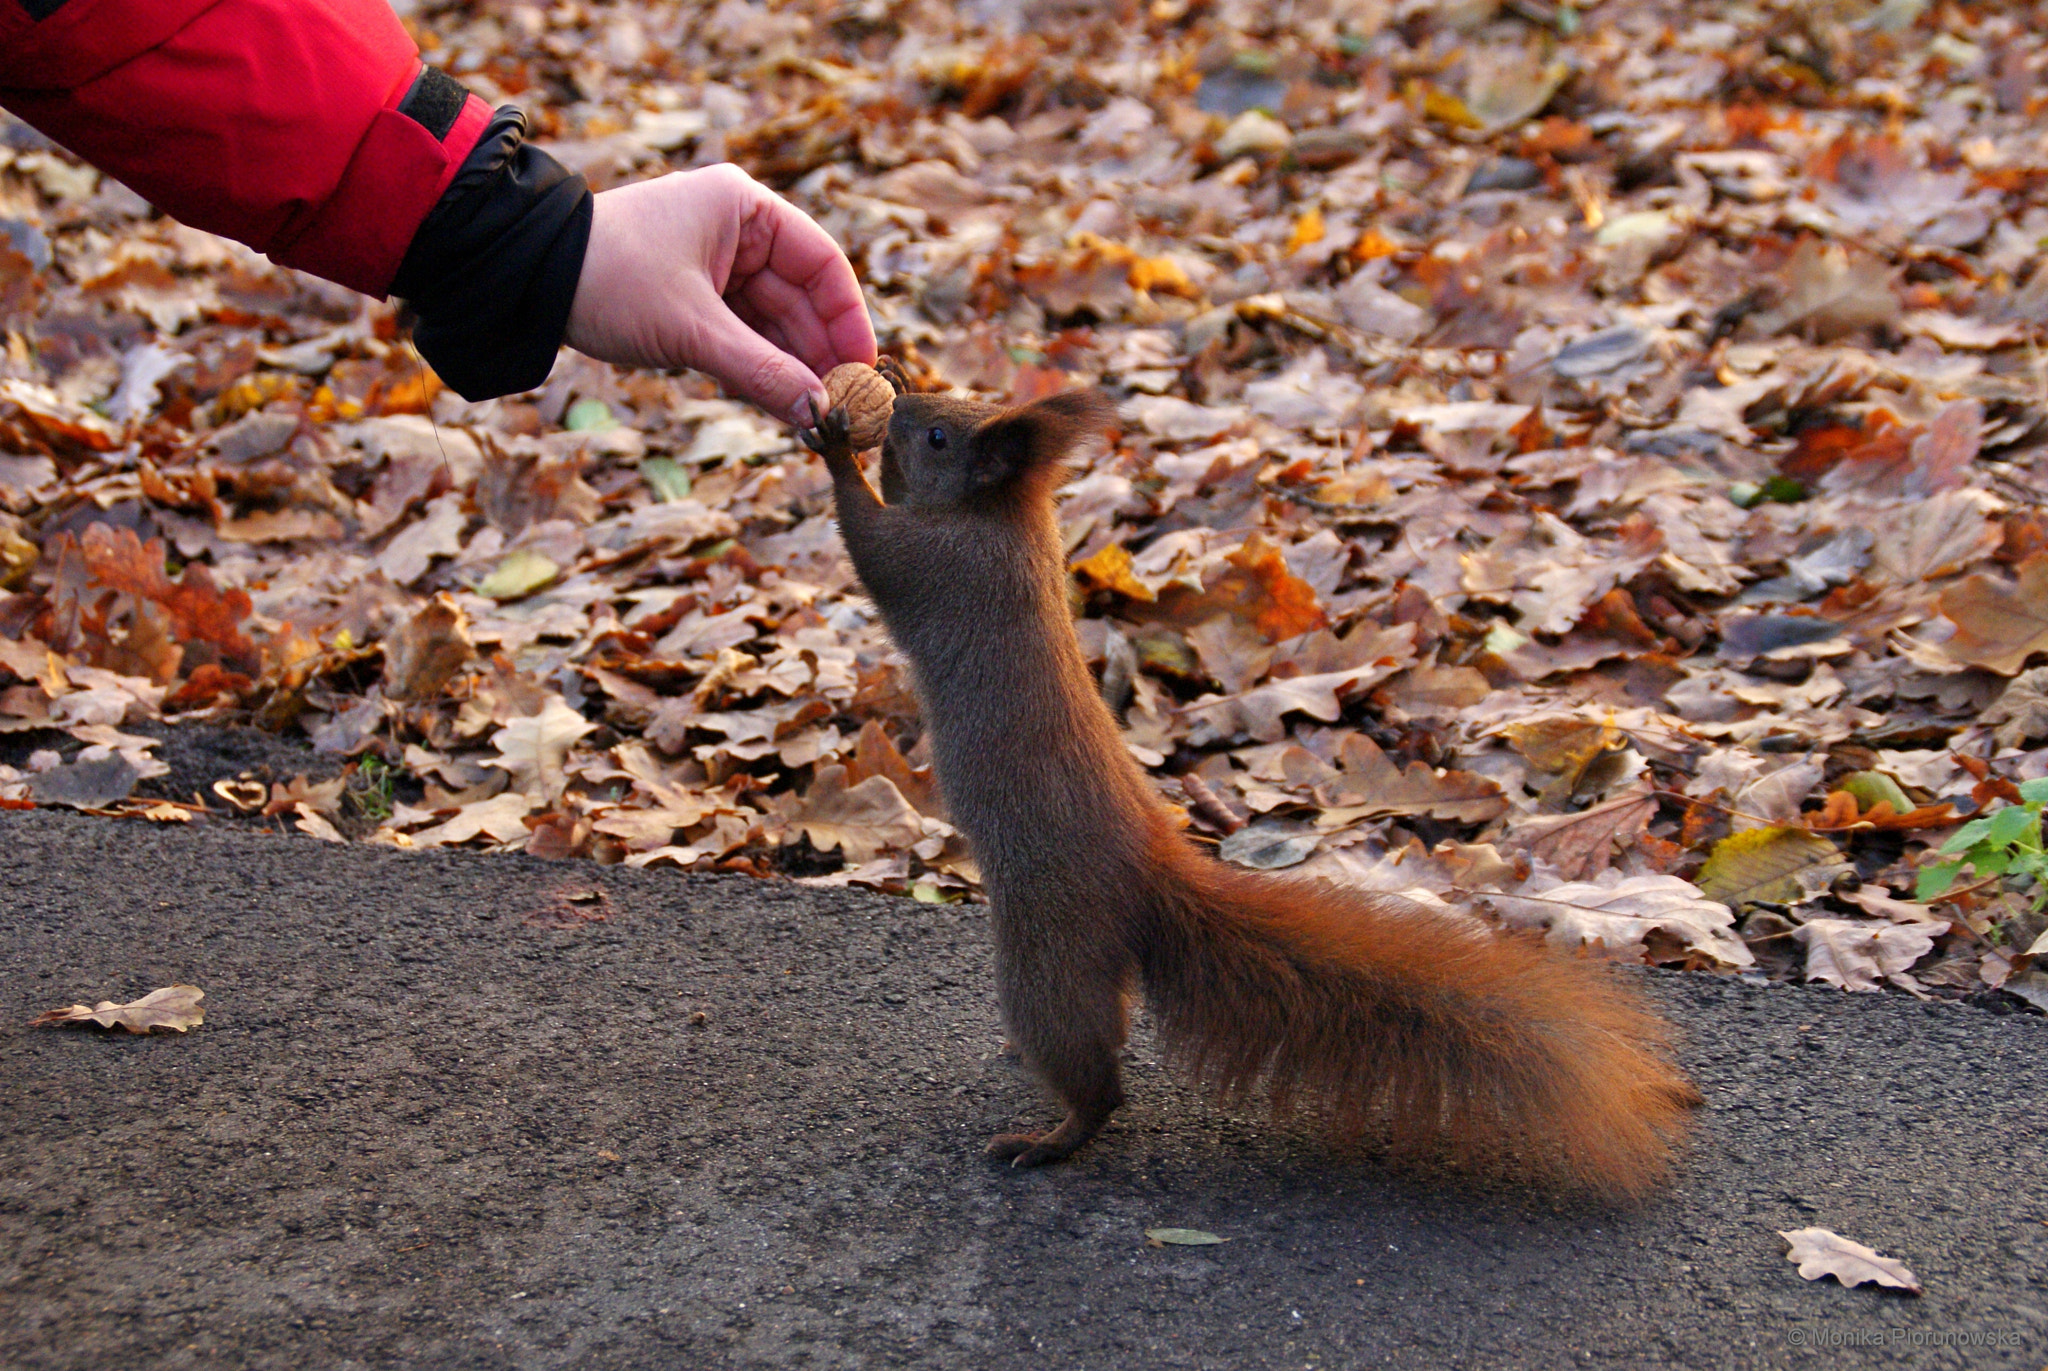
830 434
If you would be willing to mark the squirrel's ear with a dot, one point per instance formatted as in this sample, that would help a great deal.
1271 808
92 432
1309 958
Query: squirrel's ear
1039 435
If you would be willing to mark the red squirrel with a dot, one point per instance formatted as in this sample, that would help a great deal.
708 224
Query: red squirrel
1385 1017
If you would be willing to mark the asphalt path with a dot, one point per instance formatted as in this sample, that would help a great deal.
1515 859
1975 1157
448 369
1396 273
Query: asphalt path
454 1110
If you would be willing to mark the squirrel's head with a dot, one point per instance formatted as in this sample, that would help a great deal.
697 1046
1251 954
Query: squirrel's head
943 451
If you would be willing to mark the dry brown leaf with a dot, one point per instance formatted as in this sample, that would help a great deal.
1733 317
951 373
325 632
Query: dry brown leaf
1859 956
1999 624
1659 919
423 656
311 821
1109 568
1370 783
1924 540
173 1009
534 748
858 820
501 819
1582 844
1821 1252
2020 714
323 798
874 754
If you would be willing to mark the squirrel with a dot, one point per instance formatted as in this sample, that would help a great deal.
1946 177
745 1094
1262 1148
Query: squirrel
1444 1041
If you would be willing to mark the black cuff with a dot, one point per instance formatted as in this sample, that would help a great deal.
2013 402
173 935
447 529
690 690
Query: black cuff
492 269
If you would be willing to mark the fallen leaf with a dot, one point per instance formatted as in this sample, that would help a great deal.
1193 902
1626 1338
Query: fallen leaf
173 1009
2020 714
858 820
522 572
1765 864
1659 919
1370 783
1110 569
311 821
1820 1252
1999 624
534 748
1586 842
1269 845
1859 956
1258 712
501 818
425 655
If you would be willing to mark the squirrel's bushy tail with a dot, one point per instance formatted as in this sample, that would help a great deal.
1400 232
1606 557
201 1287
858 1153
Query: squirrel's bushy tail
1421 1030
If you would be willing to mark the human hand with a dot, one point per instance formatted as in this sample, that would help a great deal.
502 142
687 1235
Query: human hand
710 269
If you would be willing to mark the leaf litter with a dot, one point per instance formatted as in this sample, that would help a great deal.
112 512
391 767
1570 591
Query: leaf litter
1592 458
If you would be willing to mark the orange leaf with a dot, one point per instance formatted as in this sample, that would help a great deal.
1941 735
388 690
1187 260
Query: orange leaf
1277 602
1307 229
1110 569
1373 244
1840 813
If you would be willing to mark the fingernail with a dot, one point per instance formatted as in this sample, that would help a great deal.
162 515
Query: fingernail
802 414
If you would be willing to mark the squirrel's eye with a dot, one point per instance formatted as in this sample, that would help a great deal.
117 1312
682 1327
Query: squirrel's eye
936 437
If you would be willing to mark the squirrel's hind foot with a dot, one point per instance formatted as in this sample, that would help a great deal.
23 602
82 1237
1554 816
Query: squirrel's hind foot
1036 1149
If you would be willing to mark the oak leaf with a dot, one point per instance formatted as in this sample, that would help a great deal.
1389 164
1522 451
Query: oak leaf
1821 1252
1585 842
1660 919
1857 956
1371 783
859 820
173 1009
501 818
534 748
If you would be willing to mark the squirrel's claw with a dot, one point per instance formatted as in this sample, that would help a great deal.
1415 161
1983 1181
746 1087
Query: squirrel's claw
829 434
892 372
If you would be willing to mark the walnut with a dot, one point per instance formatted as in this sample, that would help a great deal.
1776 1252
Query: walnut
868 398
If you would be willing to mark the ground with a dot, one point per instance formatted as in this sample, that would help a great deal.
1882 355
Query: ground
454 1110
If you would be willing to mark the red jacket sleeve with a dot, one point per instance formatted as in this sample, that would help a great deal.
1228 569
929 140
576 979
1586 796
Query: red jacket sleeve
304 128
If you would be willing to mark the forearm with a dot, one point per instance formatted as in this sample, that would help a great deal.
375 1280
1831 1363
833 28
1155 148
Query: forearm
304 128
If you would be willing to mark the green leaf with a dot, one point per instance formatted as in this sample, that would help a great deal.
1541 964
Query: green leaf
1967 836
1183 1237
1989 861
2035 791
1935 881
1763 864
521 573
1871 787
666 478
2012 825
587 416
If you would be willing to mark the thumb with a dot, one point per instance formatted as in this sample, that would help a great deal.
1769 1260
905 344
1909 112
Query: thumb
754 369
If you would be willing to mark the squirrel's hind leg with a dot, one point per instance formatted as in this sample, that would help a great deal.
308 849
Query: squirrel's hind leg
1082 1062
